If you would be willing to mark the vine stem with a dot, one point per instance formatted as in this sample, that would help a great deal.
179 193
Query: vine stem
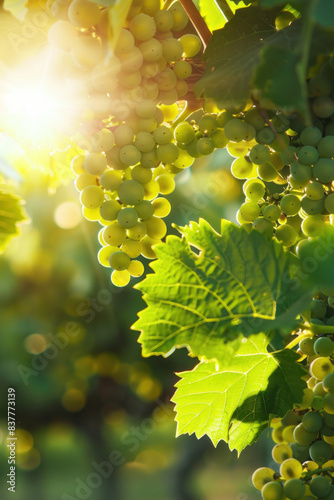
198 22
265 116
317 471
185 113
296 340
225 8
318 329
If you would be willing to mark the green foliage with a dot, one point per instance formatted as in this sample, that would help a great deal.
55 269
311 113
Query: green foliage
211 13
117 12
210 288
323 13
235 404
11 214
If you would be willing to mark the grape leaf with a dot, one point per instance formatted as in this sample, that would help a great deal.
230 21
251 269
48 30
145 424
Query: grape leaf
279 80
323 13
239 44
236 404
11 213
212 15
117 13
231 285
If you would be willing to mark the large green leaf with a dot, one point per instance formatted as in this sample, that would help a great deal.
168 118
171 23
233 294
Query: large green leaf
212 15
236 404
209 289
11 213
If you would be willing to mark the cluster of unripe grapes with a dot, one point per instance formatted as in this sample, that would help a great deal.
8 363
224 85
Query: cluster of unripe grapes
130 93
305 436
288 168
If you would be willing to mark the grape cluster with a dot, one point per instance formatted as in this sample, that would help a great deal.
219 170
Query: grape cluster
305 436
131 94
288 168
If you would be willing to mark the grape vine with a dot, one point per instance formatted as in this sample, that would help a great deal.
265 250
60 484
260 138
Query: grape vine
255 301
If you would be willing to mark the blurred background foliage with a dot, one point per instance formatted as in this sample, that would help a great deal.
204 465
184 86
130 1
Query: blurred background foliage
83 390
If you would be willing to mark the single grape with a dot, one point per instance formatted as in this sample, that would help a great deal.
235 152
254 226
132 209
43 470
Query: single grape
120 278
265 136
271 212
267 172
114 234
127 217
329 403
132 248
164 20
241 169
142 27
321 367
286 235
290 204
109 210
291 468
130 192
314 191
306 346
324 346
323 170
184 133
262 476
323 107
310 136
254 189
294 489
308 155
272 491
205 146
329 203
156 228
301 172
136 268
83 13
250 211
235 130
320 485
281 452
303 436
191 45
124 135
326 147
312 225
182 70
92 197
312 421
145 210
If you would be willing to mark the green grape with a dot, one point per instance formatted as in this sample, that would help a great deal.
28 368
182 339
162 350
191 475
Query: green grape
166 183
286 235
162 135
166 80
125 42
331 301
329 403
328 418
253 117
315 191
318 403
264 226
182 70
223 118
271 212
290 204
87 51
114 234
62 35
254 189
129 155
308 155
127 217
151 50
179 15
167 153
329 203
92 197
281 142
103 140
262 476
130 192
300 452
272 491
294 489
328 381
259 154
150 159
124 135
310 136
145 109
313 225
161 207
84 180
250 211
241 169
291 468
321 367
142 27
312 421
320 485
280 122
141 174
109 210
191 45
119 261
300 172
287 434
184 160
324 346
306 346
181 88
184 133
289 155
265 136
304 437
132 248
95 163
266 172
207 124
236 130
156 228
172 49
138 232
281 452
312 207
92 214
164 20
145 210
205 146
152 189
323 170
83 13
110 180
77 165
120 278
168 97
326 147
136 268
104 254
323 107
144 142
319 390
